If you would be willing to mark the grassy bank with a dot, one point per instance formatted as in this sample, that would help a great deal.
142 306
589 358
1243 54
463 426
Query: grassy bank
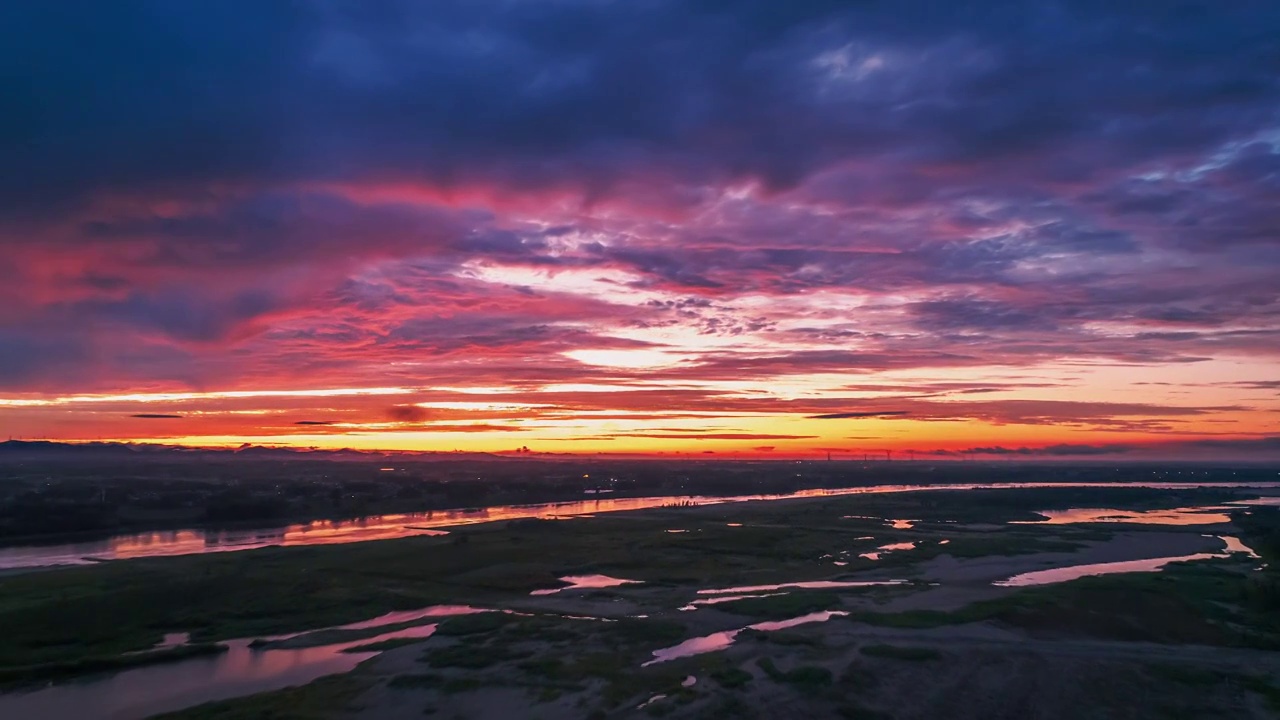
1206 603
23 675
322 699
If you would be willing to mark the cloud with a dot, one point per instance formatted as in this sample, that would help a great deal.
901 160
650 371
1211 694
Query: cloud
156 416
1061 450
868 414
549 112
471 428
697 435
1252 448
408 413
1251 445
1257 384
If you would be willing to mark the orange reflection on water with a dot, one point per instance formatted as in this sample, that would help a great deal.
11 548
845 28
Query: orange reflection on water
585 582
1174 516
725 638
1075 572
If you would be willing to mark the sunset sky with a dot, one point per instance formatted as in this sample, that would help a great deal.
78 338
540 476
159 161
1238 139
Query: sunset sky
1001 229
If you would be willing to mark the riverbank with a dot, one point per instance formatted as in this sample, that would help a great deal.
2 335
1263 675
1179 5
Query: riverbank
407 525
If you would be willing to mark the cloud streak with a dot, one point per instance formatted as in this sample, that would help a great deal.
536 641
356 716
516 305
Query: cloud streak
851 415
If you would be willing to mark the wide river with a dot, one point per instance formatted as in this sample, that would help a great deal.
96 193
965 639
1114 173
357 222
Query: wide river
385 527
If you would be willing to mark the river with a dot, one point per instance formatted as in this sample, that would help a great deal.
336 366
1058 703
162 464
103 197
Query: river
385 527
242 670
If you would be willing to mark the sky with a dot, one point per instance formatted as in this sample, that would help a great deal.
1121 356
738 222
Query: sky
752 228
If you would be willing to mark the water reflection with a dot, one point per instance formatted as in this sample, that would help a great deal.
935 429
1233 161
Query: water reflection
585 582
190 542
241 670
725 638
1075 572
172 640
1269 500
1208 515
806 585
883 549
401 616
694 605
650 701
323 532
1234 545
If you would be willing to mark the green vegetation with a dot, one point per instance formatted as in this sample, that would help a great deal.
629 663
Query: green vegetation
854 711
336 636
471 656
1008 542
895 652
731 677
382 645
618 667
782 637
1199 603
1261 530
473 624
1205 678
806 675
1261 527
648 630
323 699
1186 674
514 653
434 682
549 694
607 655
858 678
548 667
29 674
549 629
1265 688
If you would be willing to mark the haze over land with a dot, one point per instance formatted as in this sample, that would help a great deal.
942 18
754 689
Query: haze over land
1035 230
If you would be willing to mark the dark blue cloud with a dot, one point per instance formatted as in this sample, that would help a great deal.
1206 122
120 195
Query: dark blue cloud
1018 172
163 95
